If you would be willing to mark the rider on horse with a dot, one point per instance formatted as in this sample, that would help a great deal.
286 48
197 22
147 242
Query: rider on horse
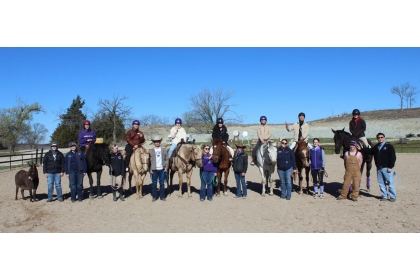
264 134
301 129
177 133
134 138
357 127
86 136
220 133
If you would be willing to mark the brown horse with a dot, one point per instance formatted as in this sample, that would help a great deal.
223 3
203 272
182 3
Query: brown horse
188 156
302 162
139 166
221 158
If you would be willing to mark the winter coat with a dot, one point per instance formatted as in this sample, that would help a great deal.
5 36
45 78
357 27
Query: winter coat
53 165
240 163
285 159
84 135
116 163
220 134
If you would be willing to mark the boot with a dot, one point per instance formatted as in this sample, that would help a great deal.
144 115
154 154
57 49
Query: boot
121 194
114 195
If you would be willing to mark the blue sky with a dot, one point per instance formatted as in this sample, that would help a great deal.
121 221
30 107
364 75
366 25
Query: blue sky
277 82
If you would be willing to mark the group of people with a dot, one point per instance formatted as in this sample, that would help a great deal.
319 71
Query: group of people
74 164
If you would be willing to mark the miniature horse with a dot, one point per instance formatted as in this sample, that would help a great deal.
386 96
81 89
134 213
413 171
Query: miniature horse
342 139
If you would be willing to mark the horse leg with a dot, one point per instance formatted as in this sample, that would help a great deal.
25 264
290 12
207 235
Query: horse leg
307 180
270 183
189 173
368 167
225 187
91 195
142 176
171 177
130 177
30 195
21 192
98 183
219 178
262 181
180 183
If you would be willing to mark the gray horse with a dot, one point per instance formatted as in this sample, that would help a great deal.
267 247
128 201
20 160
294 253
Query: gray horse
266 162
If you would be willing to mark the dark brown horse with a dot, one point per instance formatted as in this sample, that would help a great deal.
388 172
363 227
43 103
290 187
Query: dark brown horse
302 163
342 139
221 158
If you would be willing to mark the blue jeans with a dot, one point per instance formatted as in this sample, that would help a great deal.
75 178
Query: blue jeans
54 178
383 178
286 182
206 180
76 180
240 180
158 175
171 149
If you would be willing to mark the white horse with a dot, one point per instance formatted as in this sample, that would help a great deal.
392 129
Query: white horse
266 162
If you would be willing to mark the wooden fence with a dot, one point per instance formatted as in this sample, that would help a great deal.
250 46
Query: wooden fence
12 160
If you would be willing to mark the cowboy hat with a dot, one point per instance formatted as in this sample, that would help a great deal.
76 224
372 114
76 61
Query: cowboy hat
240 145
156 138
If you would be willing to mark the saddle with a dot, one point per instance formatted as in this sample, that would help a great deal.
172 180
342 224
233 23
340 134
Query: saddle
175 152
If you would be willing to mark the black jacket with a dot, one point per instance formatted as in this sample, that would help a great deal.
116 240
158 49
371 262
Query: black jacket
51 165
357 130
240 163
220 134
383 158
116 162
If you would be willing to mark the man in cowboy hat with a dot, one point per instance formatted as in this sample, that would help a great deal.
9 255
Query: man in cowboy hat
158 166
240 166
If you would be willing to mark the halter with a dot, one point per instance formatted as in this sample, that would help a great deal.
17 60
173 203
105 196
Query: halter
184 161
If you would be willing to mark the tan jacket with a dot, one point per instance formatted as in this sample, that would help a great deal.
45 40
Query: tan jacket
295 127
177 135
152 158
264 132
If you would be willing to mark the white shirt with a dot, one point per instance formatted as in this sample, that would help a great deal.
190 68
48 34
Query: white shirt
158 153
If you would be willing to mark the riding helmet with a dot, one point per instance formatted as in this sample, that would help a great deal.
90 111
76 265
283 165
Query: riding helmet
219 120
263 118
178 120
135 122
301 114
356 112
86 122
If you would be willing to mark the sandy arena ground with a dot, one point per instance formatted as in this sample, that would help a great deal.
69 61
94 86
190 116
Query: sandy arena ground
256 214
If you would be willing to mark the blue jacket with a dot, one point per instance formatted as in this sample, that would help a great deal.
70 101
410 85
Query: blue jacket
317 158
285 158
75 161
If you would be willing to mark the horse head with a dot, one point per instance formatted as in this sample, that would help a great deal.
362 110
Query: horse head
302 152
271 151
341 139
197 155
217 150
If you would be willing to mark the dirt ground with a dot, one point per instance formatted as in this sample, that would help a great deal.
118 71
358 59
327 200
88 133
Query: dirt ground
225 214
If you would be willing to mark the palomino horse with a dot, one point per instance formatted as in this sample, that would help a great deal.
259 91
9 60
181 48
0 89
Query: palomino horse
302 162
266 161
139 165
221 158
342 139
97 155
188 156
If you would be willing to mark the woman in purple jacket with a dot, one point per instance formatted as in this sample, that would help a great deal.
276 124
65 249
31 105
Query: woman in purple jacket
86 136
209 170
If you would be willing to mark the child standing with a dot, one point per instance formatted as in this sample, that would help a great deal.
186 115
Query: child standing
117 172
209 170
317 159
240 166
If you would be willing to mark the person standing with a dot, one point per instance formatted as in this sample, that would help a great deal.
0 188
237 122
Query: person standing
264 134
86 136
301 129
208 171
385 158
177 133
117 172
286 168
357 127
53 168
75 167
134 138
317 162
240 166
220 133
353 160
158 166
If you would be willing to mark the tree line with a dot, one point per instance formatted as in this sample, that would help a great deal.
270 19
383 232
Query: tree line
111 121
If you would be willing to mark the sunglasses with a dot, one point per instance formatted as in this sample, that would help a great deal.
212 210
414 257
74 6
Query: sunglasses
284 143
380 137
206 148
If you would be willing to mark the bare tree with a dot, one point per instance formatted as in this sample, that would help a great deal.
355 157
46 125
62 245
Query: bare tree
35 134
410 96
401 91
208 106
148 120
116 109
13 121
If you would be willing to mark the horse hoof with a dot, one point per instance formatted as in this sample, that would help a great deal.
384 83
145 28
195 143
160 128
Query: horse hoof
91 196
218 195
100 196
270 194
225 194
263 194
